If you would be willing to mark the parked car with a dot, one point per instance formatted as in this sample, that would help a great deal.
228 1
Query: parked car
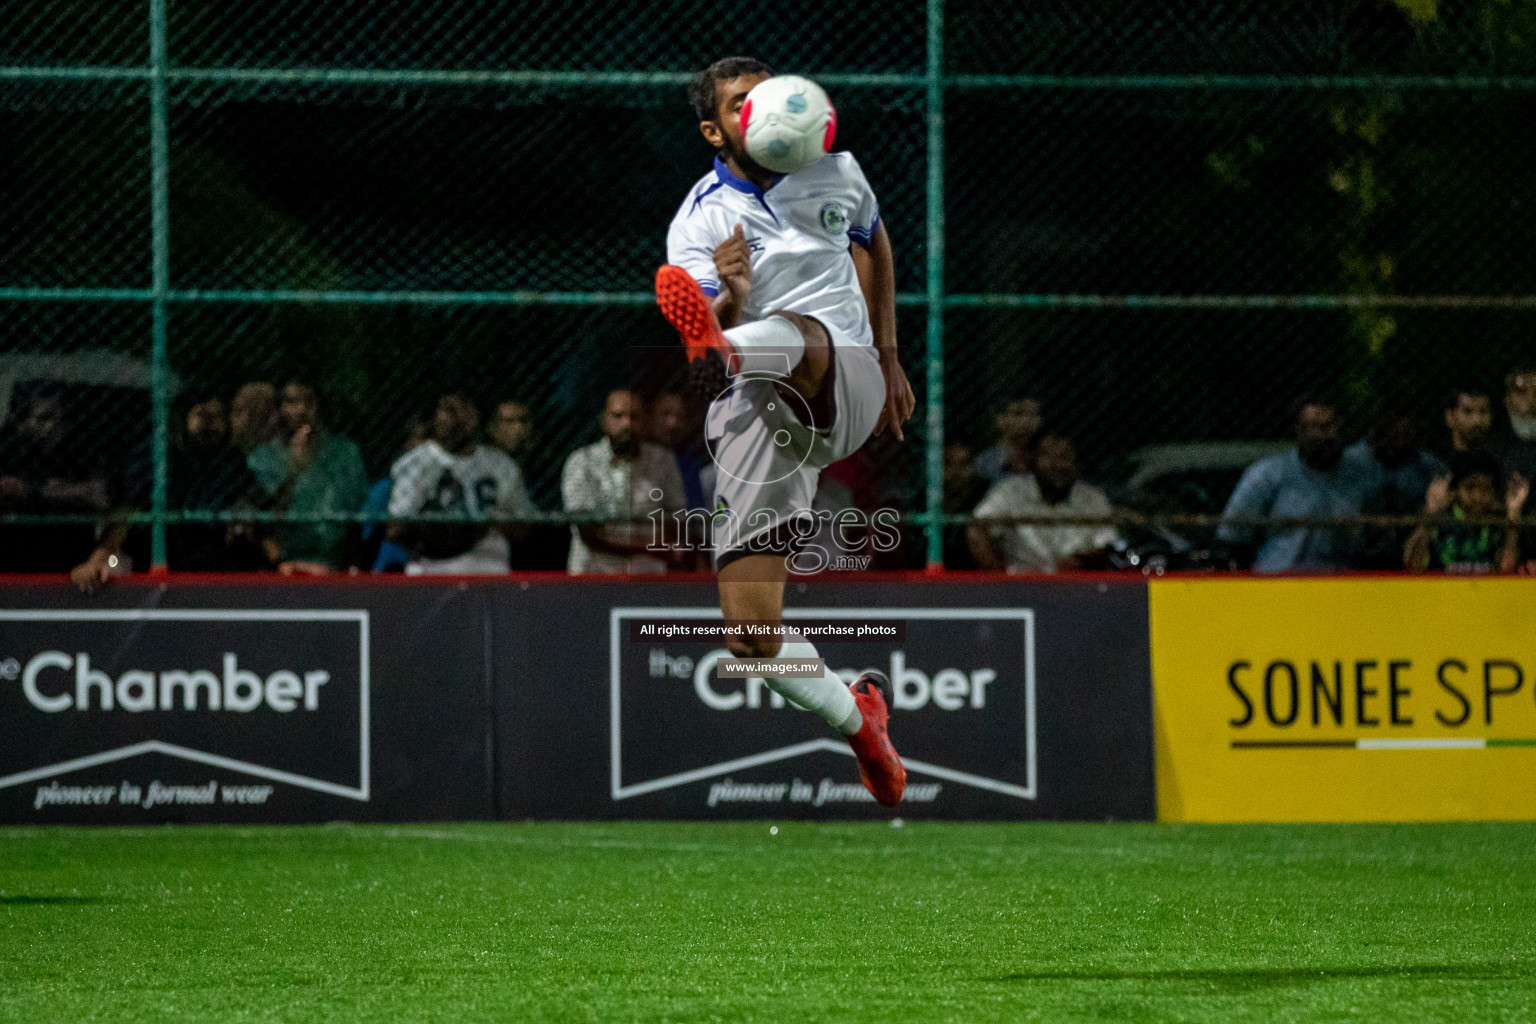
1194 478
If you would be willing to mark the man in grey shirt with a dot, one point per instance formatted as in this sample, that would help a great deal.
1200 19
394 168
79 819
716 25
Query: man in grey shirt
1309 482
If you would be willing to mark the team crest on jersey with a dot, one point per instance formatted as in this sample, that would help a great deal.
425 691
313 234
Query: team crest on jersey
834 219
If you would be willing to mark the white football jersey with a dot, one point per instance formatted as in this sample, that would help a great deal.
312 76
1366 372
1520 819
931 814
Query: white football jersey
483 483
798 231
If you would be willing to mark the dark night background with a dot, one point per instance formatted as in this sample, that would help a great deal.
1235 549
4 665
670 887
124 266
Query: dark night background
1257 188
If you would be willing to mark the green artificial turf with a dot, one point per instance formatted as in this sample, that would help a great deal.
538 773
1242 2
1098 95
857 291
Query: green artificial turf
726 922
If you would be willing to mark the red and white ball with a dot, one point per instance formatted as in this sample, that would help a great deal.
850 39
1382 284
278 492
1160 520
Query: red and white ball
788 123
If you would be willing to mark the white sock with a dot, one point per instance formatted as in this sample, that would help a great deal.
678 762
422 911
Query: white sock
771 346
828 696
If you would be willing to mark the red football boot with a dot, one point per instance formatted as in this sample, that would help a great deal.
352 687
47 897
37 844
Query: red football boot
879 765
684 303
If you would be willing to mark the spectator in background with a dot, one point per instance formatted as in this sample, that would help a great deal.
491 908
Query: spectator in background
1517 451
378 550
253 416
1390 455
1469 417
1475 489
514 432
1053 491
674 426
46 469
1018 427
308 471
204 473
1311 481
453 475
511 429
1399 472
620 478
963 491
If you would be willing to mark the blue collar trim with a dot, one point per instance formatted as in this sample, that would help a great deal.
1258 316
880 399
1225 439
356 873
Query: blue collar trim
741 184
723 173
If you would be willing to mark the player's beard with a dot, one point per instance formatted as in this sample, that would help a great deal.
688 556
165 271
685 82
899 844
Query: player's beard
736 152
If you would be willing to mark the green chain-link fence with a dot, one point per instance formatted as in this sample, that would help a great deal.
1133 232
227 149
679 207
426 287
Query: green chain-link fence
1165 220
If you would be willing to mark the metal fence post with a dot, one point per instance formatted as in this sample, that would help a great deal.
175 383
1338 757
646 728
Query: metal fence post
160 276
935 291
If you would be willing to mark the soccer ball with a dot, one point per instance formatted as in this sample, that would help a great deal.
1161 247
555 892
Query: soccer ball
788 123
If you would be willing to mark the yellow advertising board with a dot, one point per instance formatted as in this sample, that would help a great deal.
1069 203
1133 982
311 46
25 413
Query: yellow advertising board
1354 699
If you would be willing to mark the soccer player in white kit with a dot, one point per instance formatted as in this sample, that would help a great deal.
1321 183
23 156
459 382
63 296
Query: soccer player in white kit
785 287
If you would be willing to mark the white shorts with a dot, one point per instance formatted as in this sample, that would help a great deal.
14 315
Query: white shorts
770 445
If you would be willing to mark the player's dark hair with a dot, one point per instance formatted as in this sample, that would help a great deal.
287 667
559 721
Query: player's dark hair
701 91
1453 397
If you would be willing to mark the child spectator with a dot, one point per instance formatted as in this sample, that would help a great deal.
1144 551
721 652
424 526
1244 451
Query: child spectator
1467 544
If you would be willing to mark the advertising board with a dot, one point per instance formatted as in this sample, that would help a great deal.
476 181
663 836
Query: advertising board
1383 699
